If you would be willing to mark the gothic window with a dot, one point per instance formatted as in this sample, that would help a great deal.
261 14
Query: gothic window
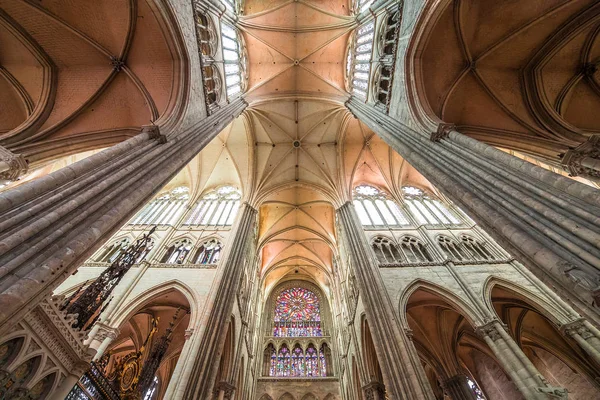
298 362
325 360
230 5
152 391
177 253
387 49
386 251
362 5
234 60
477 249
374 208
207 44
451 249
414 250
216 208
209 252
426 209
114 251
283 362
312 361
164 210
358 65
297 314
475 389
145 250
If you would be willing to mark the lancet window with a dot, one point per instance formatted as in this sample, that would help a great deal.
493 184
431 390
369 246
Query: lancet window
426 209
297 314
358 64
386 251
477 249
177 252
298 362
413 250
165 209
234 60
209 252
216 208
374 208
111 253
452 249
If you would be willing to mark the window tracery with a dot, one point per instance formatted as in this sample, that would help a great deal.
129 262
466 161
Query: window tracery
374 208
114 251
358 63
234 60
152 391
216 208
207 44
426 209
414 250
177 252
209 252
362 5
386 251
297 314
387 56
298 362
477 249
165 209
452 250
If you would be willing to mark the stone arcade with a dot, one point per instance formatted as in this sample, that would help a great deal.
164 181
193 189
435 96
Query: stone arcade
299 199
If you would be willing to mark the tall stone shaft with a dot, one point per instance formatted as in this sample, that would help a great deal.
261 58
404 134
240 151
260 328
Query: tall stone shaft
549 222
49 226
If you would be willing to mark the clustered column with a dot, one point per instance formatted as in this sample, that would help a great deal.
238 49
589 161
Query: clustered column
403 375
51 225
515 363
586 336
549 222
211 337
458 388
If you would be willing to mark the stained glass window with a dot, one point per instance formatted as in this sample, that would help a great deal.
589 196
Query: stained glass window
475 389
312 361
359 58
297 314
298 363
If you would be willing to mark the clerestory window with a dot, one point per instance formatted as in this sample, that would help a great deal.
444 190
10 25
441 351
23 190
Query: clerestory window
163 210
426 209
216 208
358 63
233 59
375 209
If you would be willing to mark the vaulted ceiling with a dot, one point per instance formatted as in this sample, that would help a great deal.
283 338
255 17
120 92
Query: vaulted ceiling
523 78
76 76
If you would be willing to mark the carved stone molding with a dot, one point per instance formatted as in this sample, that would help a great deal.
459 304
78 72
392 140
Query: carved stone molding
227 388
374 391
489 330
12 166
153 132
105 331
584 159
577 327
443 131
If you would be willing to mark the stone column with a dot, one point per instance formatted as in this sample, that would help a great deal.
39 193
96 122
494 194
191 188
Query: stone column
105 335
549 222
69 382
458 389
403 375
515 363
211 338
51 225
586 336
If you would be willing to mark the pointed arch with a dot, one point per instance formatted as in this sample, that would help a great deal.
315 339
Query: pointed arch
460 305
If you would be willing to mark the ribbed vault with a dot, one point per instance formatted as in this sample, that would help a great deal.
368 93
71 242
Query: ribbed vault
523 78
76 77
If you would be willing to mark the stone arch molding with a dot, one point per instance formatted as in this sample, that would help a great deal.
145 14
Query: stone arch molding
287 396
461 305
135 304
550 309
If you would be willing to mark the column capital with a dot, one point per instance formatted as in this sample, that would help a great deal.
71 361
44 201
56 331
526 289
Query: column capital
105 331
12 165
442 132
153 132
491 330
573 160
374 391
577 327
227 388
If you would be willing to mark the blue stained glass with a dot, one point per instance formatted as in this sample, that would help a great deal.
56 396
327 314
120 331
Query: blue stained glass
297 314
